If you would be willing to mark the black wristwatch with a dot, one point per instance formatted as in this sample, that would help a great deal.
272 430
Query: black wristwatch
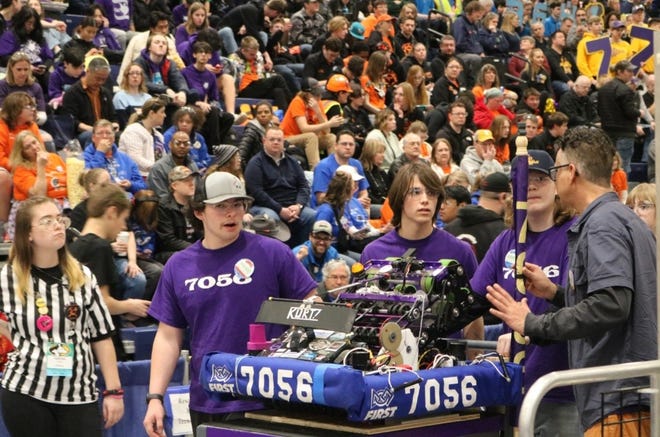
151 396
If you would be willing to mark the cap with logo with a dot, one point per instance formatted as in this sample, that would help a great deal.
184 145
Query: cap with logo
268 226
538 160
180 172
221 186
483 135
616 24
322 227
351 171
495 183
637 8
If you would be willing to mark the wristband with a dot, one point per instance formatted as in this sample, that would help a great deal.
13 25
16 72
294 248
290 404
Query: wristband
151 396
119 392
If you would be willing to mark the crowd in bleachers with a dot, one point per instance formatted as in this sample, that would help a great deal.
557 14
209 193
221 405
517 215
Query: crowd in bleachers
314 105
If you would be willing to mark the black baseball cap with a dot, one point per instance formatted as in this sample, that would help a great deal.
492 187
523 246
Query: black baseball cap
538 160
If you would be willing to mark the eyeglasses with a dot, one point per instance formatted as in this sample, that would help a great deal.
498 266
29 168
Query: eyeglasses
539 179
135 73
323 239
182 143
643 206
415 192
338 277
50 221
229 206
553 170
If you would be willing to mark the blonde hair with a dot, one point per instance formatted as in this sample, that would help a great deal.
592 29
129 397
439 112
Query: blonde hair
641 193
421 95
16 157
369 150
21 254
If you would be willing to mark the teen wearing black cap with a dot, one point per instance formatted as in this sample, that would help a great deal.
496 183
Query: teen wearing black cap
479 224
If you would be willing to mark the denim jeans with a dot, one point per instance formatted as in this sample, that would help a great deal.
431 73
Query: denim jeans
132 288
625 146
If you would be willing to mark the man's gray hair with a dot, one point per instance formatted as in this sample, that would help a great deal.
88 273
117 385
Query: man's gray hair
98 63
333 264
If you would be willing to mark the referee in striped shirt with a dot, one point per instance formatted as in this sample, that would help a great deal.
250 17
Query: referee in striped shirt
58 323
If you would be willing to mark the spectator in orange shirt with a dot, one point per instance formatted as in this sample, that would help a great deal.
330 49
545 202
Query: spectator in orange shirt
373 82
369 22
619 179
305 124
36 172
501 129
18 113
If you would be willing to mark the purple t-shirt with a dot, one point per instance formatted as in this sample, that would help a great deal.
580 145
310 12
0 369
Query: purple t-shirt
549 249
439 245
218 293
203 82
118 12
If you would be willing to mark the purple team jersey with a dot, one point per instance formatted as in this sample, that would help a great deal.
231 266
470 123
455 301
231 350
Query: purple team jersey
548 249
439 245
218 293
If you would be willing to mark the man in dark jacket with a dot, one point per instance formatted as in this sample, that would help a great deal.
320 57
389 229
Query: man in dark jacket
563 69
279 187
455 131
179 155
577 104
175 231
480 224
556 125
618 108
89 101
468 47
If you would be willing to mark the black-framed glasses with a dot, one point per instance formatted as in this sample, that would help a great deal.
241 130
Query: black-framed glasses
328 240
553 170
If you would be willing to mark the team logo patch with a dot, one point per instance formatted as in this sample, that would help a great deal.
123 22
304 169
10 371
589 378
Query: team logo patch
381 398
220 374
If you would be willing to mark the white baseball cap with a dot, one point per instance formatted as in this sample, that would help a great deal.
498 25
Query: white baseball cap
352 171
